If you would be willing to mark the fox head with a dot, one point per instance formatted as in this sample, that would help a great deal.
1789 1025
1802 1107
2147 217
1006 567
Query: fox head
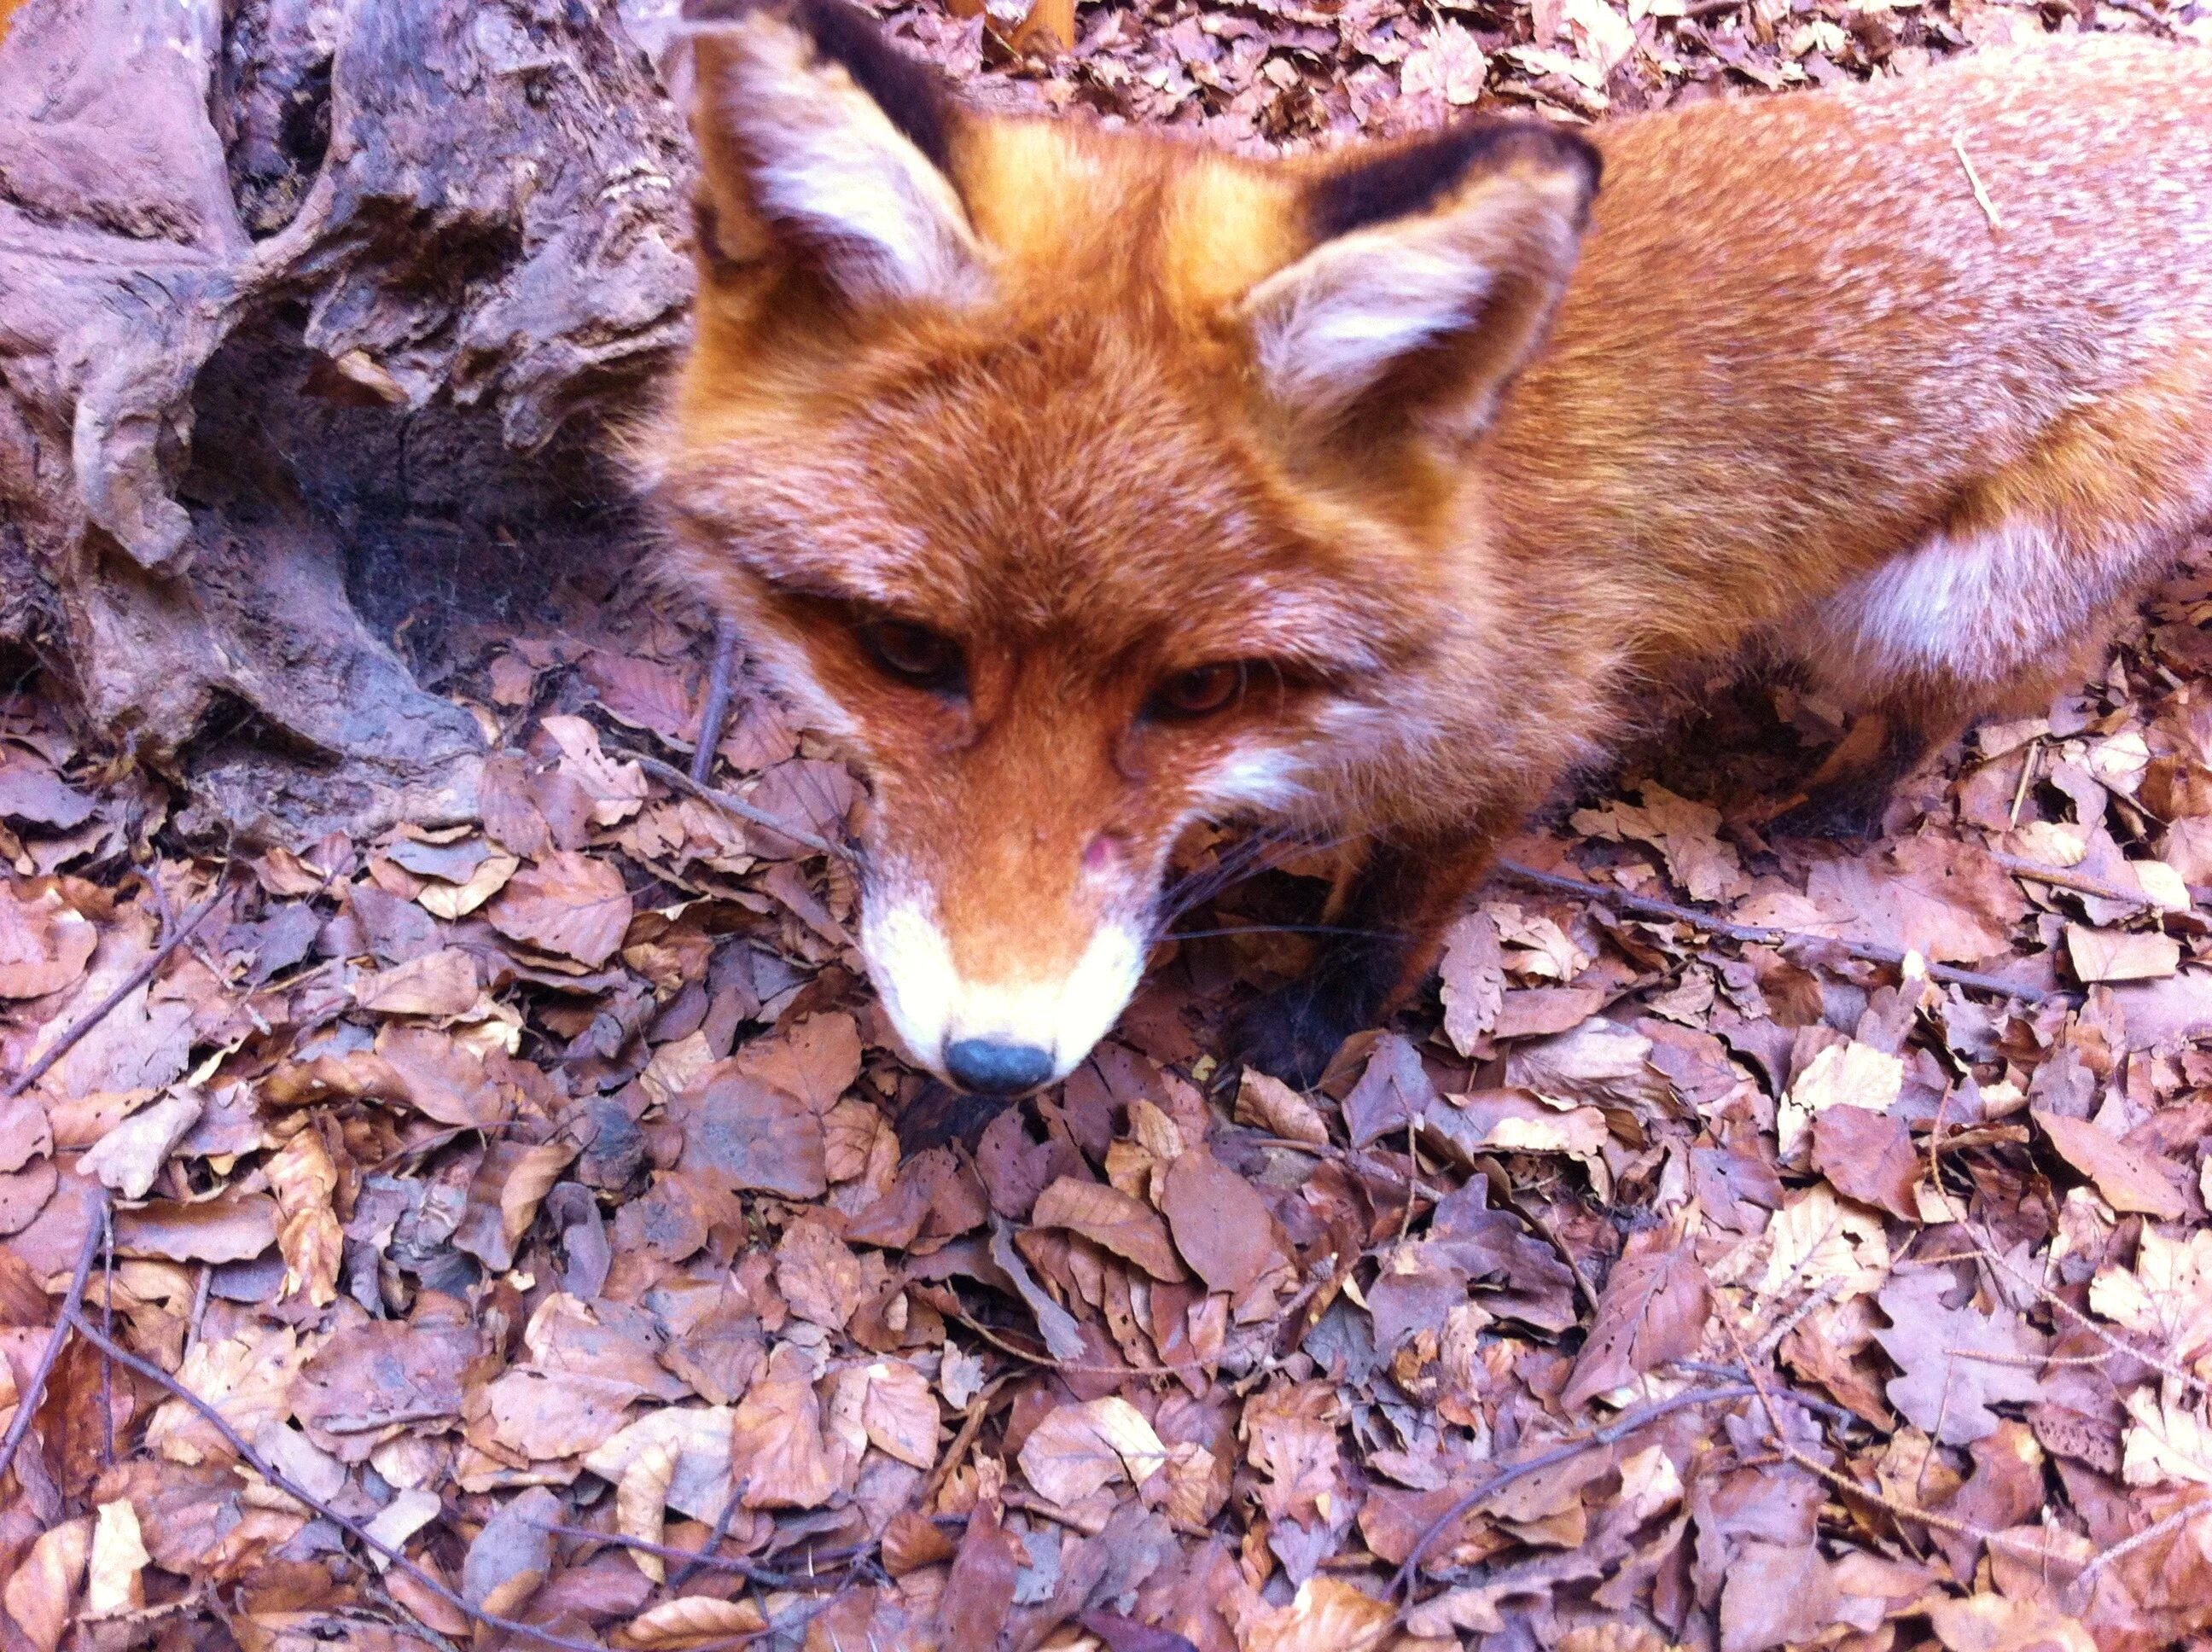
1080 485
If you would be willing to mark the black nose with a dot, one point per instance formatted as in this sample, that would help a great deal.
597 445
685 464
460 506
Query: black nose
993 1069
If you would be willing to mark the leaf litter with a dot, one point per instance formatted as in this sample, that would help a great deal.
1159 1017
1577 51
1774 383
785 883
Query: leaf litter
505 1231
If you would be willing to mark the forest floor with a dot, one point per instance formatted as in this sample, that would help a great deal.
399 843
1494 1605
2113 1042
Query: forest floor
1777 1244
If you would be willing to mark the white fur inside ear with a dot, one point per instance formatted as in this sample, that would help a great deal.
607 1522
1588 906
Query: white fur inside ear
823 158
1327 327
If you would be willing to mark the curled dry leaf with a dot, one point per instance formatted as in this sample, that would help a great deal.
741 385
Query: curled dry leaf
408 1513
527 1187
1270 1105
129 1156
1112 1218
641 1502
443 983
688 1621
114 1581
305 1181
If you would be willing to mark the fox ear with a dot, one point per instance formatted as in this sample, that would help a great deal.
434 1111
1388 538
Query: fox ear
824 150
1435 268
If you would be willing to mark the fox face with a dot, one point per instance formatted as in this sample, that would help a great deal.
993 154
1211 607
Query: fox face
1080 486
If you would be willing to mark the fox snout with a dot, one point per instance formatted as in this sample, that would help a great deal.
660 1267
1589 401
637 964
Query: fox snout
1013 997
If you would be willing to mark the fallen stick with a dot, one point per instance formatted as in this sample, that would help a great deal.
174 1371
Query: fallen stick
668 774
1761 934
299 1494
28 1402
1402 1582
176 937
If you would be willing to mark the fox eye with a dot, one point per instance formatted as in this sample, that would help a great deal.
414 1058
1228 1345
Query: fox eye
1200 692
914 653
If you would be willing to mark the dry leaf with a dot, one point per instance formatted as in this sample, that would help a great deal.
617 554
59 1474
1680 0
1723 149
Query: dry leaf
129 1156
45 943
1324 1616
2129 1181
247 1379
1223 1228
38 1595
526 1187
113 1582
641 1502
900 1414
1110 1217
1653 1310
2117 955
776 1441
567 903
690 1621
441 983
408 1513
1076 1449
1848 1074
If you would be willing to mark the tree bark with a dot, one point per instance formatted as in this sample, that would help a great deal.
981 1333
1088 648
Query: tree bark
314 315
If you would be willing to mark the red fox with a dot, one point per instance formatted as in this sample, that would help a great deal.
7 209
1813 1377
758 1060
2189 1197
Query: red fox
1087 483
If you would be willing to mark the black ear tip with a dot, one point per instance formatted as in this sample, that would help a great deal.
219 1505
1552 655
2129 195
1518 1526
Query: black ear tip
1397 181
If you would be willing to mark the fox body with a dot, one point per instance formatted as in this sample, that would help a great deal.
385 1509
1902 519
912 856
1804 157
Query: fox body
1085 484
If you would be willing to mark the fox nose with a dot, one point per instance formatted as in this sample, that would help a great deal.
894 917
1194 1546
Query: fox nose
989 1068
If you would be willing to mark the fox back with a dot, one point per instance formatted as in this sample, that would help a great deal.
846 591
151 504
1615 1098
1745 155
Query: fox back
1086 484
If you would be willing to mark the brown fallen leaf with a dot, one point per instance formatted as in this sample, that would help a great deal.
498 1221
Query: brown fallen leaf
45 943
39 1592
1326 1615
2120 954
689 1622
442 983
1956 1363
114 1580
1079 1448
228 1229
1868 1157
1270 1104
569 903
511 1554
551 1414
641 1502
776 1443
1222 1227
900 1413
2129 1181
1107 1217
744 1133
1653 1309
129 1156
248 1378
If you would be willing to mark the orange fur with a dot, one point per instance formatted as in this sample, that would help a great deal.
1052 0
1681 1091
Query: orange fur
1800 395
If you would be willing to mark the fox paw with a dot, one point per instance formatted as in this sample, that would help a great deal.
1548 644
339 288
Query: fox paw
1293 1032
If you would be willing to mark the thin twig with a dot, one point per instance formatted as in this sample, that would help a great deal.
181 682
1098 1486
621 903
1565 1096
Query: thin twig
716 712
1761 934
1974 182
28 1402
176 937
2149 1534
291 1488
703 1558
729 1504
668 774
2058 877
1627 1423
